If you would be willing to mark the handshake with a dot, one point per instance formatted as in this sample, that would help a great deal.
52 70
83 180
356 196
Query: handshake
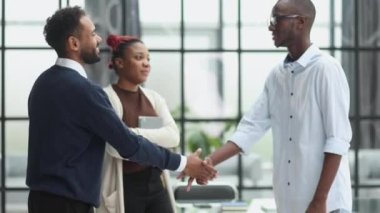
200 170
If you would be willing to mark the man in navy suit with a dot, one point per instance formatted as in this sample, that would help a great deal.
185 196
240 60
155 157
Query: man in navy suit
71 119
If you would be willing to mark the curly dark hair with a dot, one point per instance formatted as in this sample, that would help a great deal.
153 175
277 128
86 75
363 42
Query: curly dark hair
62 24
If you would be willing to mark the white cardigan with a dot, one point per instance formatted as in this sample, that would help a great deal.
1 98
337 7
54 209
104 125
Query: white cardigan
111 196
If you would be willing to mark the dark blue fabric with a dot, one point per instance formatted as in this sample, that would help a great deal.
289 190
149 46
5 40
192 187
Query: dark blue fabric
70 121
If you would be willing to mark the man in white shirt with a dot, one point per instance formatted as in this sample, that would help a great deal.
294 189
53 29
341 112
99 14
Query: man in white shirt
306 103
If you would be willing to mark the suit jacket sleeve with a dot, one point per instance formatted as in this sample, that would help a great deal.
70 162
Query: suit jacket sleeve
97 115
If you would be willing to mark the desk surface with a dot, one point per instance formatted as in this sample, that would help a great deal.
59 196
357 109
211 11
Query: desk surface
262 205
359 205
267 205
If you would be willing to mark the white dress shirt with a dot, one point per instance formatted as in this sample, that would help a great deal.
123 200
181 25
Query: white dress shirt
69 63
306 103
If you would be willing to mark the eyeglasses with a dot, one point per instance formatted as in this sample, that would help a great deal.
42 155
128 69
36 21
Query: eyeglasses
273 20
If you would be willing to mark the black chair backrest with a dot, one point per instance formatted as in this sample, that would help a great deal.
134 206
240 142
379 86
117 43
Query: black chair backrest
205 194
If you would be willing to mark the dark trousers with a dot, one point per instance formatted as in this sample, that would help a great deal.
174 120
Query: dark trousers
145 193
44 202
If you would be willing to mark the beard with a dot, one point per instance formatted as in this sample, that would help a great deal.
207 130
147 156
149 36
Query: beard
90 57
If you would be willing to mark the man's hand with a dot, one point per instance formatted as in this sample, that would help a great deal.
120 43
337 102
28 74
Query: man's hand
207 162
198 169
228 150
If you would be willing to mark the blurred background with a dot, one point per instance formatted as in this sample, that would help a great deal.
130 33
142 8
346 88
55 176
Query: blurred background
209 61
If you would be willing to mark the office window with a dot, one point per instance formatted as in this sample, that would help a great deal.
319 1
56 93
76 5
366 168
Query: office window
20 78
209 61
165 68
209 78
160 23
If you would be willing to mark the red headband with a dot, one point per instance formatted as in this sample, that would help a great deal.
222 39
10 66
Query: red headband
114 41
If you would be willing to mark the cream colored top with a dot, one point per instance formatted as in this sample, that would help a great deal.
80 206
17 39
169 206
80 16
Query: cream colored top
112 198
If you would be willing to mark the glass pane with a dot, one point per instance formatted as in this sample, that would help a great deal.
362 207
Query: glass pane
369 171
17 202
338 18
370 134
80 3
1 176
208 136
254 18
229 26
255 69
16 152
30 21
367 203
211 85
1 36
1 62
369 83
202 29
20 77
368 168
160 23
320 33
368 23
164 78
348 22
15 35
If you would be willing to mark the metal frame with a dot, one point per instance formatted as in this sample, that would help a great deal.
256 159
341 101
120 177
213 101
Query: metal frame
356 118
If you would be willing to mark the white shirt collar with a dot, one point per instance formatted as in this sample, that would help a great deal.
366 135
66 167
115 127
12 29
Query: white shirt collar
69 63
307 57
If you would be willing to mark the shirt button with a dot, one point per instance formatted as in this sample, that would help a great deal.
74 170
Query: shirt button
288 161
288 183
290 139
291 116
291 94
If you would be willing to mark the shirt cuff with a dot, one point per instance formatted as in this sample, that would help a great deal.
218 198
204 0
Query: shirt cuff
337 146
240 139
182 164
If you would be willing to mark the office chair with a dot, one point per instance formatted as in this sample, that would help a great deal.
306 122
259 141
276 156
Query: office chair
206 196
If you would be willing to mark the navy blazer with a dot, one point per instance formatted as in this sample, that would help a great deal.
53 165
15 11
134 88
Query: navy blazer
71 119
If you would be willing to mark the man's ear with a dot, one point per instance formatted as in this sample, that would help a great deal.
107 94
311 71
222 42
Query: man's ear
302 22
73 43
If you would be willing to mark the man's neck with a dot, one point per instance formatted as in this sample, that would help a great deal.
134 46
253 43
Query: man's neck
296 51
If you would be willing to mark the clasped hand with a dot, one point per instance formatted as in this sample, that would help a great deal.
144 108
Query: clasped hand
201 171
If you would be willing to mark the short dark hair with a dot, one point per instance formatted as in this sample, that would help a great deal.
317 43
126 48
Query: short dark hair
62 24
